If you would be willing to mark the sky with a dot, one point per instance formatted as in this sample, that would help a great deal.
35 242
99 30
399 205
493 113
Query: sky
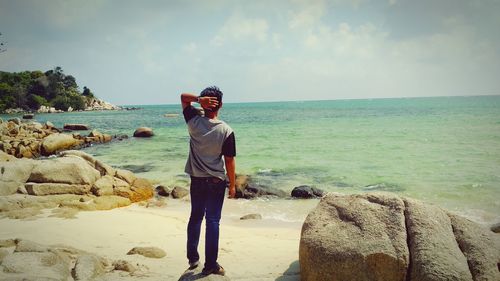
148 52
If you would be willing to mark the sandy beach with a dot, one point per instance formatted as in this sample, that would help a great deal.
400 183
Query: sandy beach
249 249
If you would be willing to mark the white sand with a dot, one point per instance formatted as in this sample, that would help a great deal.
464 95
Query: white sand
264 249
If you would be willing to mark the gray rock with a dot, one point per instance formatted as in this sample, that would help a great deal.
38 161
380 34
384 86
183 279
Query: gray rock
253 191
34 266
28 116
126 175
480 247
435 254
56 188
143 132
56 142
358 237
30 246
13 174
49 125
103 186
496 227
179 192
16 121
123 265
76 127
195 274
70 170
6 243
305 191
3 254
149 252
251 217
88 267
103 168
163 190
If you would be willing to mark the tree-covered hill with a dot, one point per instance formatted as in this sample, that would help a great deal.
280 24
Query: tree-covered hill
29 90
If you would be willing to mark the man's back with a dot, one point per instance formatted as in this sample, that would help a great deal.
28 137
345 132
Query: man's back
210 139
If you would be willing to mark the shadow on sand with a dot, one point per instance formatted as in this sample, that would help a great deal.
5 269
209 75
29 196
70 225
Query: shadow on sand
292 273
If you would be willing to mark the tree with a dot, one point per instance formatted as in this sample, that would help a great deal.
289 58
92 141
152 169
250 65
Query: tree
87 93
35 101
2 45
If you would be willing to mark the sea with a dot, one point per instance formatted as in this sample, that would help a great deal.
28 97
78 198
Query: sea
442 150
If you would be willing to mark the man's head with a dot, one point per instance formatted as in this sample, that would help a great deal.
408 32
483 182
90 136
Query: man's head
212 92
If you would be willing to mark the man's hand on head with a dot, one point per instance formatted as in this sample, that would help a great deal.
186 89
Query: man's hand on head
208 102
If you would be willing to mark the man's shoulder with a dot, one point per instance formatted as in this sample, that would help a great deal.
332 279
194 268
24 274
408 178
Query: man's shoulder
226 127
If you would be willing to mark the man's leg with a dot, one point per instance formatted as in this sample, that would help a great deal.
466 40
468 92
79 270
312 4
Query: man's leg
197 191
215 199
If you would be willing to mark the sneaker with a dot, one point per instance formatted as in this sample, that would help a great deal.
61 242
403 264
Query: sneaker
219 270
193 265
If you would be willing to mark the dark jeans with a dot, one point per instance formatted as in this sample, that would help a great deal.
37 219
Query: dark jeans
207 196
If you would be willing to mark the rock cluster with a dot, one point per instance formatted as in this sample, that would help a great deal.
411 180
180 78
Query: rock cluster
33 139
306 192
248 189
97 104
382 236
48 109
74 180
26 260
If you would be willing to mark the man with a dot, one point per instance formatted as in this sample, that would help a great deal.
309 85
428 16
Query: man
211 139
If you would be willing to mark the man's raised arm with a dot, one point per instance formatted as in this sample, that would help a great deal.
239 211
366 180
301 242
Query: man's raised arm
205 102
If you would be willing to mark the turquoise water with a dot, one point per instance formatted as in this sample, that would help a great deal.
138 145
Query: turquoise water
444 150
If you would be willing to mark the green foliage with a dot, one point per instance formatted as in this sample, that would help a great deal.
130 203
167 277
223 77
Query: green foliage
35 101
31 89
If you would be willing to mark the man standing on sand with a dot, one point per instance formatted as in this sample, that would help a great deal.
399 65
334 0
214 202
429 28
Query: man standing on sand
211 139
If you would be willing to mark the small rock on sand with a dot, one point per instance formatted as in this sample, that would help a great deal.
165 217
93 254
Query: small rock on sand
149 252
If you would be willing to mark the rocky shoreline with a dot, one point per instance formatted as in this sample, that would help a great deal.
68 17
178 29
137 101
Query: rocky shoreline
30 139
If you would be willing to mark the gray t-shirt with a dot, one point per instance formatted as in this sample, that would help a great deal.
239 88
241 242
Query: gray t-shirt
210 139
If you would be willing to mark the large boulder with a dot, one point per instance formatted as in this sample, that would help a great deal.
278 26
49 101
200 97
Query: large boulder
385 237
359 237
13 174
88 267
143 132
435 254
57 142
480 247
40 189
70 170
34 266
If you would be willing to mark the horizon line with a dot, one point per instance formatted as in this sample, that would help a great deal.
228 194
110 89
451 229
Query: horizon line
319 100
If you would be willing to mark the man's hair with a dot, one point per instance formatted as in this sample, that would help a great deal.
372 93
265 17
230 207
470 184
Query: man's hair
212 92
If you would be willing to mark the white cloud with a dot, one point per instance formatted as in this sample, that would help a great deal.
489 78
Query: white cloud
238 27
308 15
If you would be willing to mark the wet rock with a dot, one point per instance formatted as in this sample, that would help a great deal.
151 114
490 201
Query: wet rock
76 127
251 217
28 116
149 252
305 191
143 132
253 191
163 191
179 192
